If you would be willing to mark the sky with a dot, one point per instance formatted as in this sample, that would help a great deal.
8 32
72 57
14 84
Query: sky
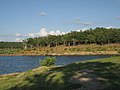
20 19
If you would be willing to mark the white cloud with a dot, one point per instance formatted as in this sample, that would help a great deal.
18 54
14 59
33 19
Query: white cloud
43 32
42 14
63 33
18 34
1 40
85 23
83 29
57 32
31 35
110 27
77 18
18 40
81 23
52 33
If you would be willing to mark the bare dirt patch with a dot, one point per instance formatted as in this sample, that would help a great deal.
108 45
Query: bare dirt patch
87 79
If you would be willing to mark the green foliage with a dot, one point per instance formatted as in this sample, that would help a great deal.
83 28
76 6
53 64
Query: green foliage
89 49
98 35
9 51
11 45
48 61
118 51
65 49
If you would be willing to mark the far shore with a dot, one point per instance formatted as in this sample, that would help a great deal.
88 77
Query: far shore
65 54
92 49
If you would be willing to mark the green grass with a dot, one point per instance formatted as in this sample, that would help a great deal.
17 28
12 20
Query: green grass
57 78
9 51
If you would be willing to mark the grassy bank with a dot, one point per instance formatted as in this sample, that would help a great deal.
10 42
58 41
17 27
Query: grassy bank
93 49
9 51
101 74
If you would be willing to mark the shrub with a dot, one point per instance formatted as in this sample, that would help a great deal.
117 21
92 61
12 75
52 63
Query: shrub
118 51
48 61
47 51
65 49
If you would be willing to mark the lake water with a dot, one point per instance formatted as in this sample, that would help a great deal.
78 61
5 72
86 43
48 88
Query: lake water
11 64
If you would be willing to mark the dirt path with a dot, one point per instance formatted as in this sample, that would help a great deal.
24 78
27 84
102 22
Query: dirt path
87 79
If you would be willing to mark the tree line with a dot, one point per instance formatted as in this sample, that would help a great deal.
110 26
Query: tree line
98 35
11 45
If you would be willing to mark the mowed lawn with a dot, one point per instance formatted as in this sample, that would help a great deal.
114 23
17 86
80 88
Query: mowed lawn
100 74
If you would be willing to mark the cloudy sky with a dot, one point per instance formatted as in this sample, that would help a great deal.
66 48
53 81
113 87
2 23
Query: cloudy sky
21 19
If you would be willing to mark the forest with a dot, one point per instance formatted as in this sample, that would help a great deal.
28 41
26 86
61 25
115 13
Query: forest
100 36
11 45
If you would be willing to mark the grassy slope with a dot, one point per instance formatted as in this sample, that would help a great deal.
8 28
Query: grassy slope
76 50
67 50
57 78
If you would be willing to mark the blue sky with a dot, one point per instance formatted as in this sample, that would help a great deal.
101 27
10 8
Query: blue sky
24 18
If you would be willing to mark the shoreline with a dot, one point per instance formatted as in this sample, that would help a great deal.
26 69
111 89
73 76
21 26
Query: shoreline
66 54
80 50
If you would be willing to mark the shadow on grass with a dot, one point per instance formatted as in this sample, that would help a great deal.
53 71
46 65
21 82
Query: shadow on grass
57 78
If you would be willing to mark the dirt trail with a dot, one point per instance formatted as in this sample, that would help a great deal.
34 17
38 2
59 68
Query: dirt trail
87 79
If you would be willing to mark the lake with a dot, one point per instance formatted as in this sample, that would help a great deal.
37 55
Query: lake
11 64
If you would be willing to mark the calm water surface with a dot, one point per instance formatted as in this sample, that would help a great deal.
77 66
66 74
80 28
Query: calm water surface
11 64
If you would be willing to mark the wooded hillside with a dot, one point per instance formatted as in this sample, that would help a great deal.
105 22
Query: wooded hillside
98 36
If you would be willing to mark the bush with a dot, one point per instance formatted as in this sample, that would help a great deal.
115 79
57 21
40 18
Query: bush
118 51
48 61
